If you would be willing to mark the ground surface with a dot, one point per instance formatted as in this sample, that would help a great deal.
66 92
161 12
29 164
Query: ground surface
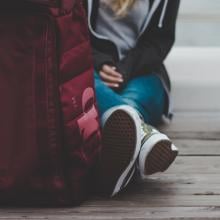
190 189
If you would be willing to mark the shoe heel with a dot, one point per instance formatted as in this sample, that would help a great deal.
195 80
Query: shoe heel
160 158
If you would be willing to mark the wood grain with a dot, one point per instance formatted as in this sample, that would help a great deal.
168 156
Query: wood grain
194 125
189 190
198 147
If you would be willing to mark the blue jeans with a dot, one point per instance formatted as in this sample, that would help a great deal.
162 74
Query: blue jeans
145 93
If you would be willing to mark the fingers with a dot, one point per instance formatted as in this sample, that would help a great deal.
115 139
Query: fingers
111 71
110 78
111 85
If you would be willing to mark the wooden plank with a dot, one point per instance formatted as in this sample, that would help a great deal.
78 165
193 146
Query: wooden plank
196 165
169 185
165 196
143 200
188 190
194 125
191 181
198 147
102 213
179 179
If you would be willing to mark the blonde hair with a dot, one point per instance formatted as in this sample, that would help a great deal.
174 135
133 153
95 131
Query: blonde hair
121 7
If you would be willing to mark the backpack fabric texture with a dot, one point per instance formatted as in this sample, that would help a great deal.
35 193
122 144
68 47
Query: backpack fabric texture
49 124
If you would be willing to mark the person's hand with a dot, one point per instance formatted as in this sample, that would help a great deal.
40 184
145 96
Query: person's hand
110 76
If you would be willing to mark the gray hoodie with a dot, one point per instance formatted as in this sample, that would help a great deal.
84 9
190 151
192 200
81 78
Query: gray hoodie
123 31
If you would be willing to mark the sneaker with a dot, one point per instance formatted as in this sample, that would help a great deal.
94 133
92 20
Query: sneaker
157 152
121 146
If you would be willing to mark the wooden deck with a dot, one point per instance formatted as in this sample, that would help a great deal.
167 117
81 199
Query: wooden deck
190 189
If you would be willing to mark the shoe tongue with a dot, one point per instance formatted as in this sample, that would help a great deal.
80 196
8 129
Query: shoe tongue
147 130
143 133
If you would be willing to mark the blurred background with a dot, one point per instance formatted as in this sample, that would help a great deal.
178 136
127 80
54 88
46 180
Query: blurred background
199 23
194 63
194 67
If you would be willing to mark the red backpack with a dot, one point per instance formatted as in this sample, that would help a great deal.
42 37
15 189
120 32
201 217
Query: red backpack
49 126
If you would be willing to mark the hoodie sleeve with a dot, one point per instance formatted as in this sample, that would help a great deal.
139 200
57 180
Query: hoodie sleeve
101 58
153 46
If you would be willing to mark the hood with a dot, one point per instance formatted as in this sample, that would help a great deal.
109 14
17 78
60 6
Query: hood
154 7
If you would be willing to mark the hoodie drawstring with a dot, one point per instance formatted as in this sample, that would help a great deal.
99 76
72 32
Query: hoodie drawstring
160 25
